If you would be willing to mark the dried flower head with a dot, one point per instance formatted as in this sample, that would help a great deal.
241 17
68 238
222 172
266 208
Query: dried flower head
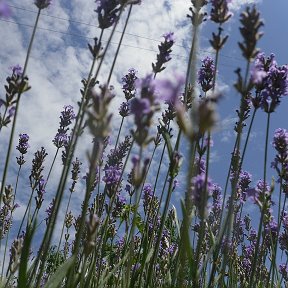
42 4
164 52
197 14
251 23
219 11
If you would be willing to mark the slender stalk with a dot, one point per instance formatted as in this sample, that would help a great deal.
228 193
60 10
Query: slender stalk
156 247
63 226
77 126
8 232
119 44
10 145
51 167
254 263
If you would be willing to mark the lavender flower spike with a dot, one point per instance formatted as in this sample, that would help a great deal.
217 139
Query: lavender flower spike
206 74
164 52
23 143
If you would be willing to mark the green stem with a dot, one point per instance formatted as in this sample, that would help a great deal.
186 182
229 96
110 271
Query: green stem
8 232
63 226
10 145
254 262
75 132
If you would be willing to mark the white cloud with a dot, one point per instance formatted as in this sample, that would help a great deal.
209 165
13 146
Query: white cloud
238 4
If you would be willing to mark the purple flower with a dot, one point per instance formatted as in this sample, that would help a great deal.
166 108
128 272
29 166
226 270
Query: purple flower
67 115
11 112
116 156
198 190
170 91
271 233
128 84
61 139
169 37
280 141
200 165
17 70
270 80
5 10
23 143
243 183
42 4
140 107
259 192
124 109
261 67
112 175
147 196
206 74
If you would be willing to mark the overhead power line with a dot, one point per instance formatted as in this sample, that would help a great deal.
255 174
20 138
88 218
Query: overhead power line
127 33
90 38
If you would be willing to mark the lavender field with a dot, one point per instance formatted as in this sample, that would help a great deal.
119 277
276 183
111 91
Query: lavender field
143 144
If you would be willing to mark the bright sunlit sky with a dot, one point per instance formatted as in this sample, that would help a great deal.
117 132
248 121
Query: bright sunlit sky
60 59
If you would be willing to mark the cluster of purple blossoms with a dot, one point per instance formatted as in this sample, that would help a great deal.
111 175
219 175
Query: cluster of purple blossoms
23 143
170 91
243 184
260 193
17 70
280 143
42 4
164 52
147 196
112 175
271 82
124 109
199 165
22 148
5 10
128 84
206 74
198 187
144 107
116 156
37 167
270 233
61 138
108 12
216 208
129 89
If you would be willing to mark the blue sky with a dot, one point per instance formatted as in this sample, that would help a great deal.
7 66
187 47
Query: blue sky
59 61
